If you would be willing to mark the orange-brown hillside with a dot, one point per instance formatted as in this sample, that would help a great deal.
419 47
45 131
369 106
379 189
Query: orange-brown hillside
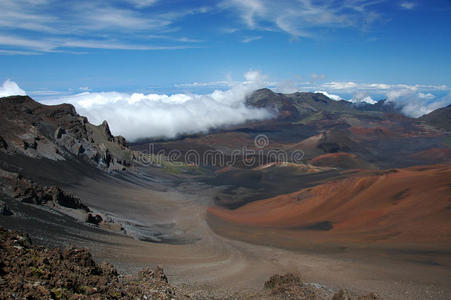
403 205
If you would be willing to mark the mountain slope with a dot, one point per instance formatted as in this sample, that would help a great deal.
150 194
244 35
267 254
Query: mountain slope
439 118
303 105
297 105
57 132
402 205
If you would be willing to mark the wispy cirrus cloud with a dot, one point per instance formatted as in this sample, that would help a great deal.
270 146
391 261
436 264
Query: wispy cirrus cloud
37 45
299 18
251 39
18 52
408 5
43 26
63 44
142 3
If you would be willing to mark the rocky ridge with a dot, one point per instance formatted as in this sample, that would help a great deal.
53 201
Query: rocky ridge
57 132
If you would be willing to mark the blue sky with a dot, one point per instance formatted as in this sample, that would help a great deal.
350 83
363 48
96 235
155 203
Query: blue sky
156 45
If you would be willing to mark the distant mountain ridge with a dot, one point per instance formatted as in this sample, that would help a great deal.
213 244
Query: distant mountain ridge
301 105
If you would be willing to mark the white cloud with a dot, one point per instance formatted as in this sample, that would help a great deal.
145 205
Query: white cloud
331 96
251 39
248 10
361 97
100 44
340 85
26 43
142 3
103 25
381 88
221 83
408 5
422 98
255 77
10 88
157 115
412 100
18 52
140 115
414 104
427 96
57 45
298 18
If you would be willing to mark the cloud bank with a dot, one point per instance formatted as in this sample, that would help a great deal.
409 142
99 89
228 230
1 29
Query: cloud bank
417 104
412 100
137 115
158 115
10 88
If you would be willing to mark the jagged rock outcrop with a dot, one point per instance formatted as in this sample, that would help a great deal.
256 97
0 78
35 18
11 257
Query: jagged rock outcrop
94 219
57 132
25 190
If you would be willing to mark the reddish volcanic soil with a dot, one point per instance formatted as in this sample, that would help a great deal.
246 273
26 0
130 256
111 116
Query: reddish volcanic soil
403 206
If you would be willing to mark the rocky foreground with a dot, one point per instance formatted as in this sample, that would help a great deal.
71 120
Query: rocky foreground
35 272
29 271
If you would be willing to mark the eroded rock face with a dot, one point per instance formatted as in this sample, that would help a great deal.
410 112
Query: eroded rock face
57 132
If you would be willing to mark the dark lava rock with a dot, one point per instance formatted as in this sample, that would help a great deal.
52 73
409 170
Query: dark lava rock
3 144
36 272
4 209
290 286
31 192
94 219
30 145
